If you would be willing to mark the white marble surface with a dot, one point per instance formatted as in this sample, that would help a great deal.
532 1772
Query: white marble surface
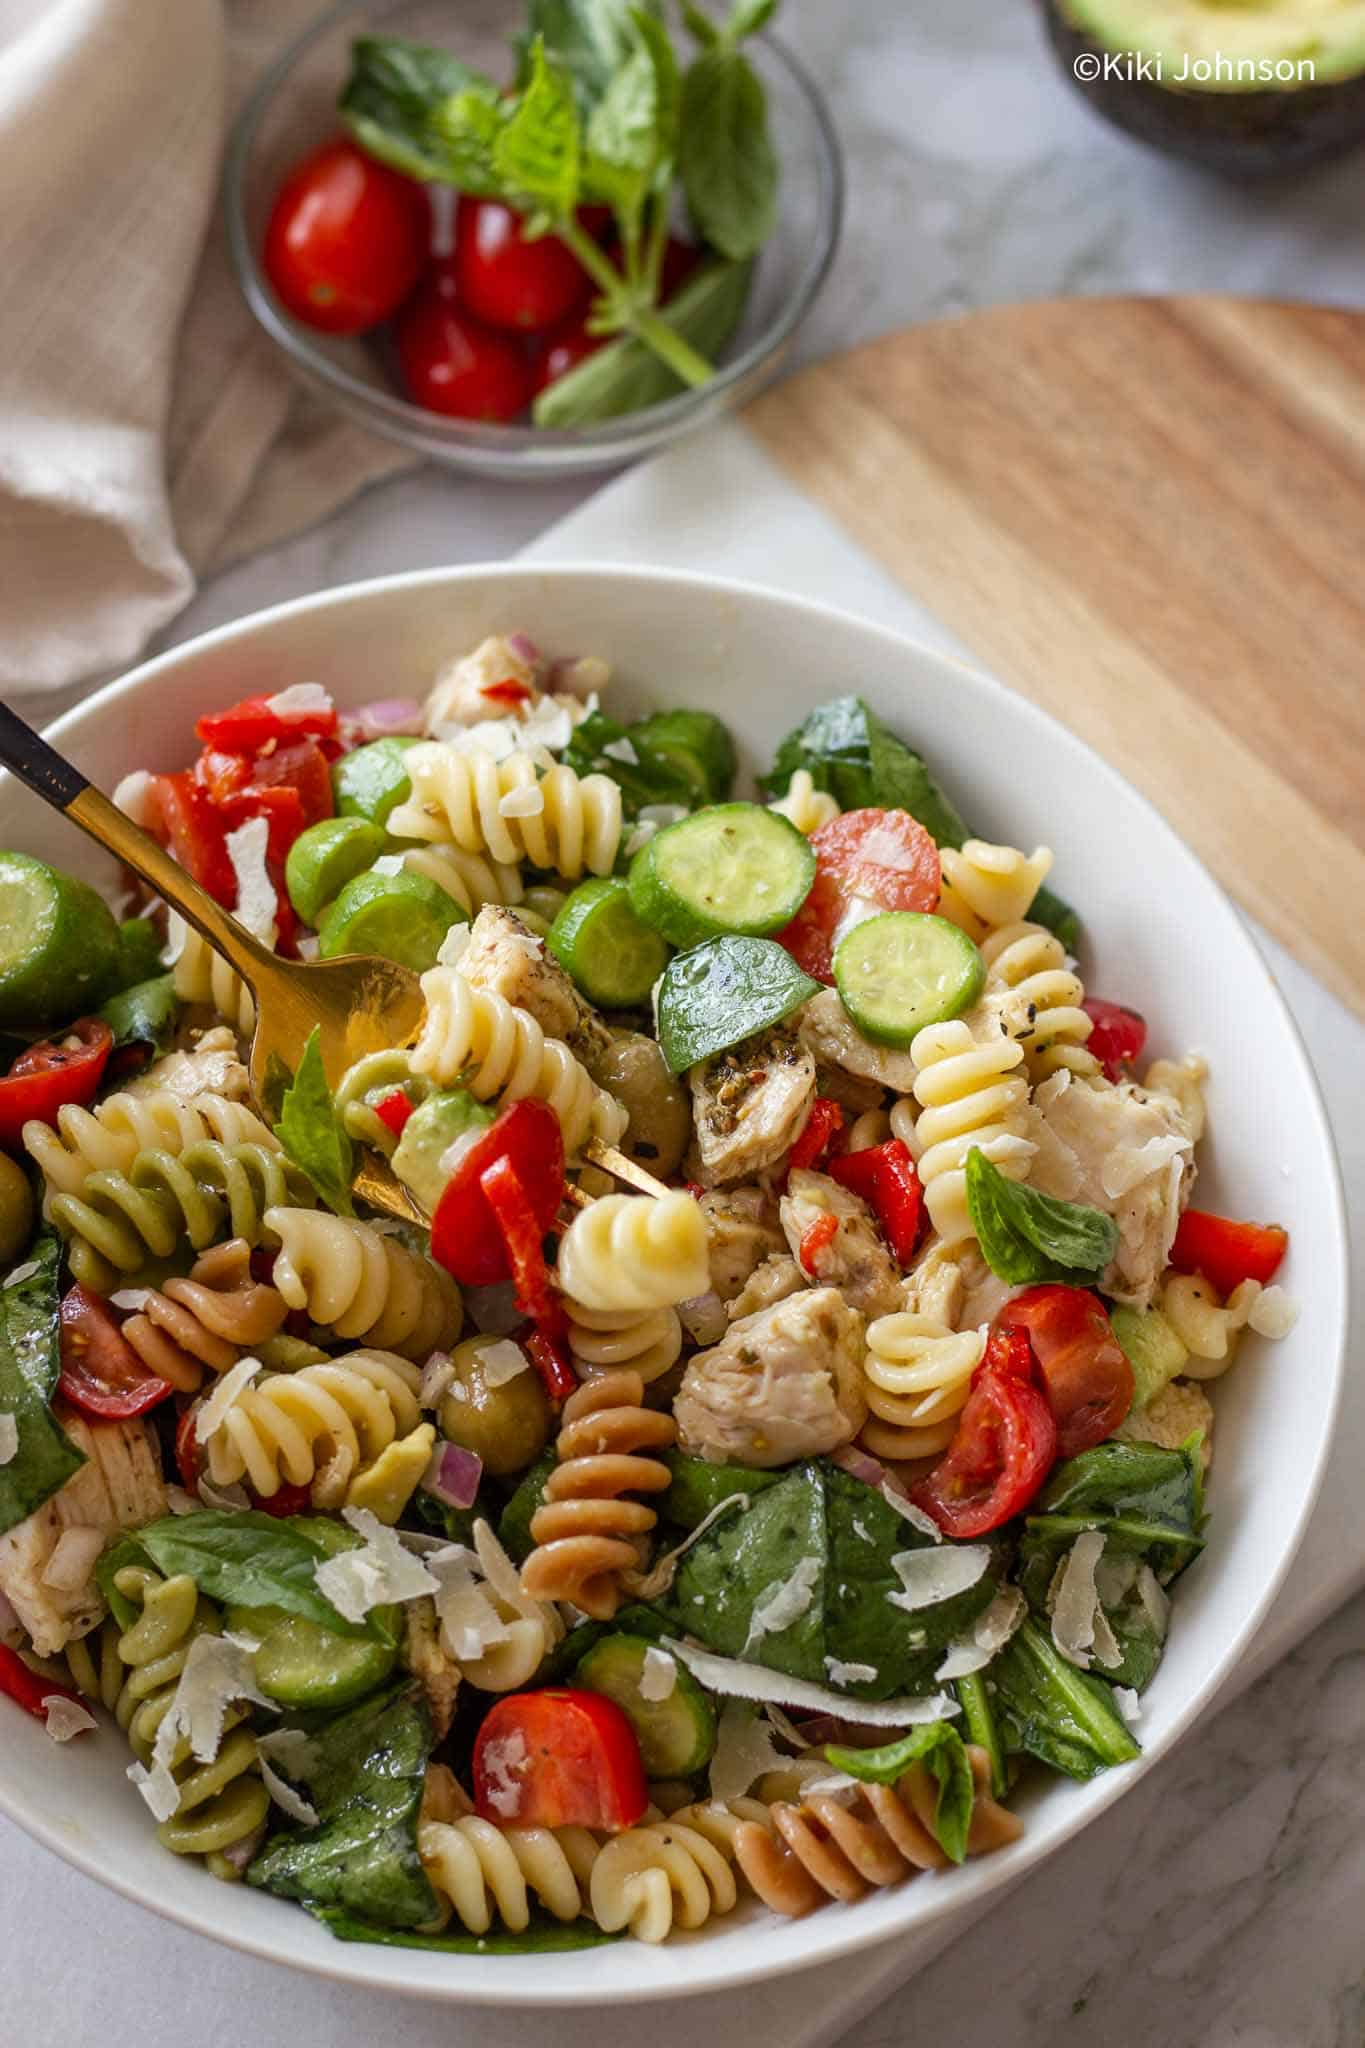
1221 1903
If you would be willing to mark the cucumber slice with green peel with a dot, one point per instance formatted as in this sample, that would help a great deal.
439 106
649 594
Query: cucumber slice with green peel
402 917
59 943
612 955
698 744
326 857
301 1664
903 970
717 994
370 781
731 868
676 1734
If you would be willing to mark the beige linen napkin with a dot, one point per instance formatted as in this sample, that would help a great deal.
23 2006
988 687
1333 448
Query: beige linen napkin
148 432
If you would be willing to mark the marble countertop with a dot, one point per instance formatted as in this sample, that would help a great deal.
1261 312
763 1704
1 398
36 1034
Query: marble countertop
1220 1903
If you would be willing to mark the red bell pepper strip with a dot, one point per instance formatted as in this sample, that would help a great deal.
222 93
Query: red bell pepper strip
1227 1252
551 1361
101 1374
1118 1035
814 1240
47 1076
185 819
465 1236
521 1235
885 1176
508 691
393 1111
246 727
29 1689
818 1135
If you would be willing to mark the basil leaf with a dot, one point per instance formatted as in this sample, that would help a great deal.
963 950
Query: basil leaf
1026 1236
145 1014
242 1558
514 1524
365 1781
747 17
390 103
313 1134
700 25
536 152
942 1751
1051 1710
651 778
30 1361
623 141
722 991
698 1487
542 1936
726 159
589 39
1148 1501
625 376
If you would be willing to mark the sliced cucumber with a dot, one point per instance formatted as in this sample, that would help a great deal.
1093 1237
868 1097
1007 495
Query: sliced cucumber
697 744
903 970
676 1734
301 1664
59 943
732 868
325 858
611 953
717 994
370 781
402 917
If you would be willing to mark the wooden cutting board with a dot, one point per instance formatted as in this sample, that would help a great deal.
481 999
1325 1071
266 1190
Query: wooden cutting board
1148 515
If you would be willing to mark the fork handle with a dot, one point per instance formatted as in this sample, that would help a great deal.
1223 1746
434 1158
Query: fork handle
59 783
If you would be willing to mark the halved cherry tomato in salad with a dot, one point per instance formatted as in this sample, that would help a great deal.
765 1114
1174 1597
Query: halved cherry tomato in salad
869 860
1118 1034
188 1457
1227 1252
53 1073
29 1689
284 1502
507 280
810 936
453 364
886 1177
1004 1447
101 1374
346 240
246 727
558 1758
1086 1374
465 1236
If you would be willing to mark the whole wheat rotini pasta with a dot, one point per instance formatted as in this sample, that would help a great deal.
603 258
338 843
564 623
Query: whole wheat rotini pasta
208 1319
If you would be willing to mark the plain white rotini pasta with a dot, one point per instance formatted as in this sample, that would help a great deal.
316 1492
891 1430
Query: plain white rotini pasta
658 1876
647 1342
970 1094
873 1127
338 1418
483 1873
108 1138
471 878
512 810
500 1054
985 885
635 1252
1042 998
362 1283
201 975
917 1375
807 807
530 1628
1207 1326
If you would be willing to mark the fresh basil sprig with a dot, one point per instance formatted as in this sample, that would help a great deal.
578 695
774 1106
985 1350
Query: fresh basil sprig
1026 1236
725 153
313 1134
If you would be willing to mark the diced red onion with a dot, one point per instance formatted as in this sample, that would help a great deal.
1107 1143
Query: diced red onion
859 1465
525 649
453 1476
390 718
239 1854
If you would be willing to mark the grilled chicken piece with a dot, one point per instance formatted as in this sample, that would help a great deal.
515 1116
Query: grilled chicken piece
741 1231
506 957
749 1104
775 1280
1122 1149
430 1663
457 696
119 1487
781 1385
214 1067
856 1259
834 1040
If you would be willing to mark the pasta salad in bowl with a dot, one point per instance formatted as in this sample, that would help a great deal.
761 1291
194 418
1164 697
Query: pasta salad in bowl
753 1483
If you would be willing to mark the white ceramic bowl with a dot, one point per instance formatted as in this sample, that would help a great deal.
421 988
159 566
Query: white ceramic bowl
1160 935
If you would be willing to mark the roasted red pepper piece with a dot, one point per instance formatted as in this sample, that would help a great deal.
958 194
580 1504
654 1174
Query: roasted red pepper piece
465 1237
814 1239
393 1111
28 1689
1118 1035
885 1176
246 727
818 1135
1227 1252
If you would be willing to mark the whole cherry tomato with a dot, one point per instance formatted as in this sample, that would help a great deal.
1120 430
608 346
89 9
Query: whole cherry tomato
452 363
507 280
558 1758
1003 1448
1086 1374
1117 1034
346 240
563 349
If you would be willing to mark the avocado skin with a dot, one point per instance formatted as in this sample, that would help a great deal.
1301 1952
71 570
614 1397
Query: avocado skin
1243 135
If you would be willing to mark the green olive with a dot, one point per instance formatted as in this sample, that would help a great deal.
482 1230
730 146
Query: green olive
509 1424
633 1070
16 1209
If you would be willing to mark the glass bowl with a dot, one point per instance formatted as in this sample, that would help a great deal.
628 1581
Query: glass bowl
293 110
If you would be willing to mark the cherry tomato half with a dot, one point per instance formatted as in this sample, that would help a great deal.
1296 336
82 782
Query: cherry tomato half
1118 1035
1227 1252
346 240
466 1237
1086 1374
452 363
810 936
55 1072
558 1758
885 857
101 1373
1002 1451
508 281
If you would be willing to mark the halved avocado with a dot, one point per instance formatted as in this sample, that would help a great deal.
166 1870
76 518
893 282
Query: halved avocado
1259 112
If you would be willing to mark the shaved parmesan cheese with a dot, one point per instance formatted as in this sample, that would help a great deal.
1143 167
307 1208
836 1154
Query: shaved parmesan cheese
744 1751
65 1717
1107 1650
437 1374
285 1797
916 1517
9 1437
930 1576
527 800
834 1785
389 864
73 1559
1273 1313
494 737
658 1675
754 1682
785 1603
134 1299
233 1498
502 1362
21 1273
849 1674
452 945
229 1390
1128 1704
298 700
216 1672
131 796
499 1570
622 750
1078 1600
157 1787
257 903
381 1572
986 1638
658 1580
548 724
1127 1166
470 1623
181 1503
1155 1601
660 815
291 1748
505 1761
